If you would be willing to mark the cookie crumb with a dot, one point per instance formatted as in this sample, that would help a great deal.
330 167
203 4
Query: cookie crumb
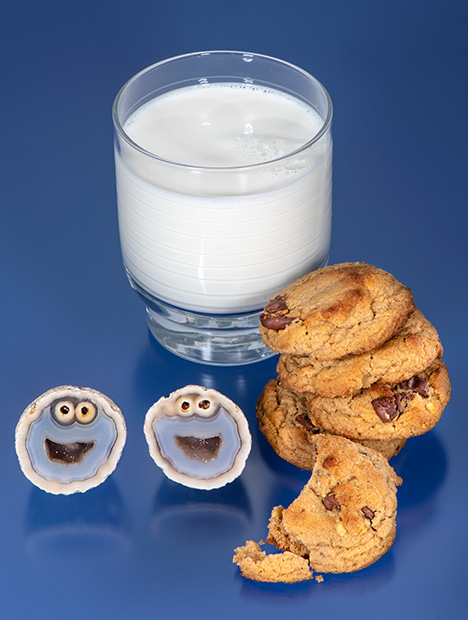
318 578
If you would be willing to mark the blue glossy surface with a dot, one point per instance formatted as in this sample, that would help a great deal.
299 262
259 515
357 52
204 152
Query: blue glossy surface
140 545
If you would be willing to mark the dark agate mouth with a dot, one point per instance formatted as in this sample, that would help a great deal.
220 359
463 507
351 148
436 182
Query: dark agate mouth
204 449
67 453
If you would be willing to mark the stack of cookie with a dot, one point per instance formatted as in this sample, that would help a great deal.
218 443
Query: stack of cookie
360 372
358 360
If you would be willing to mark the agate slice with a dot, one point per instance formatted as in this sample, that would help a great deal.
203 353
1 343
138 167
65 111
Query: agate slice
198 437
70 439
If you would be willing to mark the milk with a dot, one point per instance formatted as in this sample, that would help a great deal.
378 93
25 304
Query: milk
233 221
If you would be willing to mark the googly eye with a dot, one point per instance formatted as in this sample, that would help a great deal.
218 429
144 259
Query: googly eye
85 412
205 407
64 412
185 405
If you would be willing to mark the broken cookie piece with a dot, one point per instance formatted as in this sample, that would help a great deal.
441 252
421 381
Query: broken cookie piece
277 567
198 437
343 519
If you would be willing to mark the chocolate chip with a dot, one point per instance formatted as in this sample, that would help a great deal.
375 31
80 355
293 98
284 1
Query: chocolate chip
273 316
387 408
330 502
304 421
329 461
368 513
275 322
419 385
398 399
402 396
277 304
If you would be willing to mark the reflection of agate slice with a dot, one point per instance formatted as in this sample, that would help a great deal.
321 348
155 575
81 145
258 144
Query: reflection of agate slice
70 439
181 515
198 437
77 527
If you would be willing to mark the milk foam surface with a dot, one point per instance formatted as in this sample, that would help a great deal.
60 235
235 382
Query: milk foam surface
219 239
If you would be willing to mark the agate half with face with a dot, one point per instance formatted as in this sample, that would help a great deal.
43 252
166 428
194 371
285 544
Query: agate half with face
198 437
70 439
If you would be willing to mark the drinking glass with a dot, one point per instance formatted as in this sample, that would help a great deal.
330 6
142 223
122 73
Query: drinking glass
207 245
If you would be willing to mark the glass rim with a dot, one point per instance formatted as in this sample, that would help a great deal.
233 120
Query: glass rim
123 134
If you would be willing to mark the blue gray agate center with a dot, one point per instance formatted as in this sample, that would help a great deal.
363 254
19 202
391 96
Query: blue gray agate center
198 437
70 439
70 452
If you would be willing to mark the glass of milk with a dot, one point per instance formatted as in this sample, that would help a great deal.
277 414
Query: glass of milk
224 178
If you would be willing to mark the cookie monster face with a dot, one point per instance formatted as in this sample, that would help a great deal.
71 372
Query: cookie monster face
198 437
70 439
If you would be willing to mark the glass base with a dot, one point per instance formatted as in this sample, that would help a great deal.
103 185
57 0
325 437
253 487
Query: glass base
223 340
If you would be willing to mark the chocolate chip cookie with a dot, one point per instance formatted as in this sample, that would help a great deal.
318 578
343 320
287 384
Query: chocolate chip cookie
410 351
340 310
343 519
384 411
283 418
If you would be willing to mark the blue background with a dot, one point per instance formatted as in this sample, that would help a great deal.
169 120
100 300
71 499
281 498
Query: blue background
139 545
